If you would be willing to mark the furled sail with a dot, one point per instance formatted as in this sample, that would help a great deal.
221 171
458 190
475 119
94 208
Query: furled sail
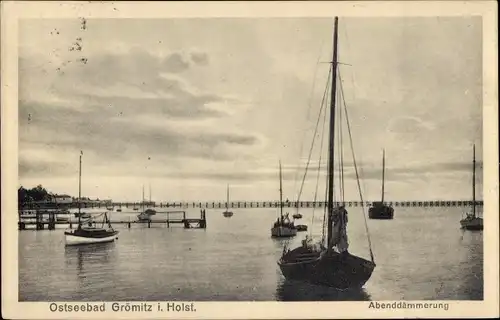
339 229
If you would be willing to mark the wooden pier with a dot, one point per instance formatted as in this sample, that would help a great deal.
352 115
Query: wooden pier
251 204
179 217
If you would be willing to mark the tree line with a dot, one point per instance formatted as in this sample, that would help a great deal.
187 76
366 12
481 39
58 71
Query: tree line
38 193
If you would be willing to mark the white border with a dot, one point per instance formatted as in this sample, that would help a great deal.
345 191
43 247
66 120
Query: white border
12 11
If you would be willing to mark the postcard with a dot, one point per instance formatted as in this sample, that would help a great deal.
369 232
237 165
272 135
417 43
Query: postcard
263 160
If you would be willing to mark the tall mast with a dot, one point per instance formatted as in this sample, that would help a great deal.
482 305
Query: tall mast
474 180
331 146
150 193
281 193
227 196
80 188
383 174
142 197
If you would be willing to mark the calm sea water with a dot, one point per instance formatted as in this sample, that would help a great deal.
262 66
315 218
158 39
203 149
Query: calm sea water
421 254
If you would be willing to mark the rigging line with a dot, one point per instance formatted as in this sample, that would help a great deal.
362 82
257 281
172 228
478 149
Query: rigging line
325 207
357 175
314 138
341 152
319 170
308 115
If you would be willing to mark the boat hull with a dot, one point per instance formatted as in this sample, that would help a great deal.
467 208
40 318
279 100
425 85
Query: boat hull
283 232
82 215
340 271
381 212
72 238
227 214
301 227
472 224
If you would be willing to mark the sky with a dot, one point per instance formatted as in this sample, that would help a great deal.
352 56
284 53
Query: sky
187 106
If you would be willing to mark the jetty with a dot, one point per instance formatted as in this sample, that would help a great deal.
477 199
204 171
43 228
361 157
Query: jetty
46 218
249 204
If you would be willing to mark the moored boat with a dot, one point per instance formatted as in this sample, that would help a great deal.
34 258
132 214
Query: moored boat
283 227
83 215
472 221
88 234
297 216
380 210
227 213
328 261
146 214
301 227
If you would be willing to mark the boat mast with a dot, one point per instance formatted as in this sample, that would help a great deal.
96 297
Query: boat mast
383 174
331 147
150 193
143 198
474 180
281 193
227 196
80 189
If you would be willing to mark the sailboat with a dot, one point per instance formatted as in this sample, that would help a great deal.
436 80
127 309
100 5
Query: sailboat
283 227
472 221
330 263
380 210
227 213
145 215
87 234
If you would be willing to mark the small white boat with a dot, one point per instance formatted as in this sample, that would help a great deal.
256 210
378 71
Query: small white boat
90 233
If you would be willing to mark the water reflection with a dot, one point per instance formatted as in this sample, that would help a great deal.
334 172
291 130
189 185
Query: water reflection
290 290
91 255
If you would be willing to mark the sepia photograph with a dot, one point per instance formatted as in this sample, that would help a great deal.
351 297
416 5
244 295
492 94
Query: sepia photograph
332 158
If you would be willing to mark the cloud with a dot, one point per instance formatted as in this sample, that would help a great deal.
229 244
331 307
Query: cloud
200 58
120 107
175 63
117 139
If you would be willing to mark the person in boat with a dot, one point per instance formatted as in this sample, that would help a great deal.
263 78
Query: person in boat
339 217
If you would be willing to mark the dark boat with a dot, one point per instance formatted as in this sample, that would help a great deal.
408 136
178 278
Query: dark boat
472 221
379 209
283 227
297 216
145 215
301 227
88 233
330 263
227 213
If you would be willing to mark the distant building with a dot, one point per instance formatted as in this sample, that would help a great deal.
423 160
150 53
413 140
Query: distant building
62 198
